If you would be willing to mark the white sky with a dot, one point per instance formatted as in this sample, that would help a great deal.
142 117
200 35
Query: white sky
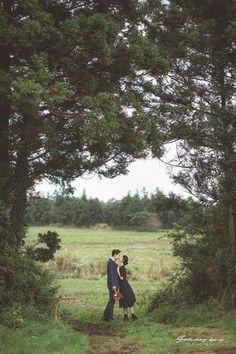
149 173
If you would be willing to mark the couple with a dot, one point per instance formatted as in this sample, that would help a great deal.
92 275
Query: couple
116 279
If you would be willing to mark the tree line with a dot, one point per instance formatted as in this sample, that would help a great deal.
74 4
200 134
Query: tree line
132 211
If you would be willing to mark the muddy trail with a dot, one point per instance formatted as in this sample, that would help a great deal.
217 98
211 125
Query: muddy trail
104 339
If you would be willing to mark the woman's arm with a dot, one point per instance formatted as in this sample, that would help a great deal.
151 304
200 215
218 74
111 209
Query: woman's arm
118 270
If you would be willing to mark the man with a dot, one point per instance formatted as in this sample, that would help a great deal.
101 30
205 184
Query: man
112 284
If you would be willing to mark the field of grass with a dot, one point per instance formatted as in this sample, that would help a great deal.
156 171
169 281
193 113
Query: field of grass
70 235
84 252
80 267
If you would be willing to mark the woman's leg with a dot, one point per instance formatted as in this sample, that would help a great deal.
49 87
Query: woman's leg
133 316
125 313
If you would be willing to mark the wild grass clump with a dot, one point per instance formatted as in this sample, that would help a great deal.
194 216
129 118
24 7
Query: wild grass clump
70 265
162 272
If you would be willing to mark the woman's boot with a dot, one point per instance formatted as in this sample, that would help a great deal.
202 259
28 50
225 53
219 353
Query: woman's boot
134 317
126 317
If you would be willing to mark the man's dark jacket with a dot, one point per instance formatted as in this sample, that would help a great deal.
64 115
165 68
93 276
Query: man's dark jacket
112 275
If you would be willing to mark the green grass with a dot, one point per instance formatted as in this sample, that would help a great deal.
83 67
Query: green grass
45 337
83 292
86 299
71 235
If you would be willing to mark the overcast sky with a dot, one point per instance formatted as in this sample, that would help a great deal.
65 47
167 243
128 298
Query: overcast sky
149 173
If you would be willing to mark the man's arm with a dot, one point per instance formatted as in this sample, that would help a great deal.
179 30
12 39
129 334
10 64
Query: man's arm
111 274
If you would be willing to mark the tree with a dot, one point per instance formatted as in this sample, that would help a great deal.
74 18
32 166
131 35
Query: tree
194 104
171 209
66 69
39 211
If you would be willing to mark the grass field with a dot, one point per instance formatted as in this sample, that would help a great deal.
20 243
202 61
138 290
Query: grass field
88 250
80 267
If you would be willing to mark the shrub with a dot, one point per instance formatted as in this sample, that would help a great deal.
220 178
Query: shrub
50 243
23 283
206 270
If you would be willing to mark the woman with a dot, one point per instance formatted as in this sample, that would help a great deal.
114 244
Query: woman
128 299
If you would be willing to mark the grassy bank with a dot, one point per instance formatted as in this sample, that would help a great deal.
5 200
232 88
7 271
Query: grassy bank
46 336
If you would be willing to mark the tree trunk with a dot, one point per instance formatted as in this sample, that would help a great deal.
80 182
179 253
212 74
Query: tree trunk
232 228
21 185
4 121
19 201
229 198
229 179
5 169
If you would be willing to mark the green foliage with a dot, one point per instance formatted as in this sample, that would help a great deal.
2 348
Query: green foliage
172 209
39 211
5 229
24 283
42 254
140 217
64 96
138 211
193 104
206 271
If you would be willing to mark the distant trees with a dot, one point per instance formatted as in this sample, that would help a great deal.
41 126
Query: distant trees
135 211
40 212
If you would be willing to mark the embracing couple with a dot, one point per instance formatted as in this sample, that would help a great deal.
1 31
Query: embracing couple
116 280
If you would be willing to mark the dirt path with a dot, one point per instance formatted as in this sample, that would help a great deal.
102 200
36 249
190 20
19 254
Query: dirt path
104 340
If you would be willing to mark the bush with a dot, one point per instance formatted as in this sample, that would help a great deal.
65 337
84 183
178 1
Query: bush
171 293
50 243
24 284
206 270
